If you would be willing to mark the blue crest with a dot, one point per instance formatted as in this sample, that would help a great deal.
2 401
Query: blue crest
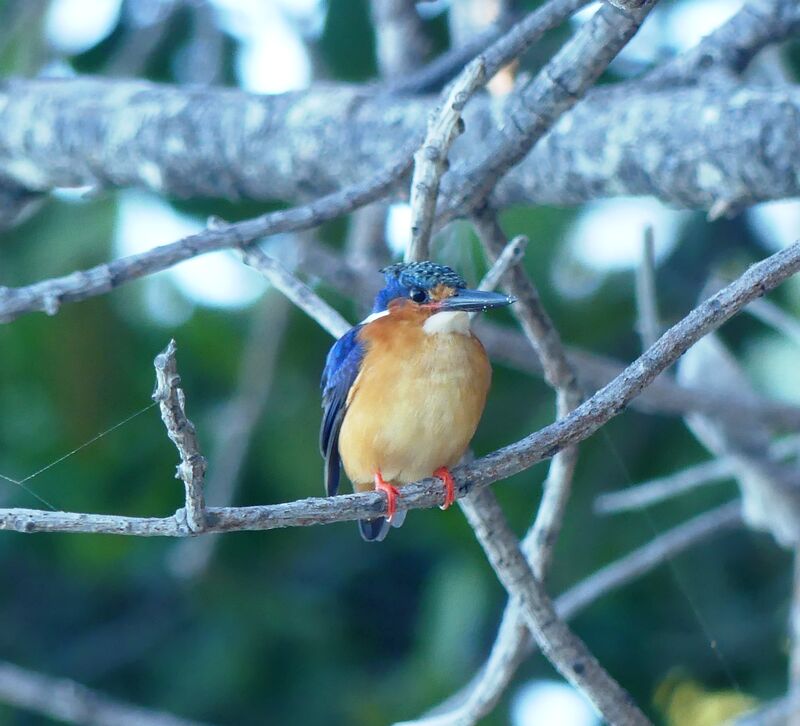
402 277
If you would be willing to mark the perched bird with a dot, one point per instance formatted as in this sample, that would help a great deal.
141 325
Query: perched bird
403 391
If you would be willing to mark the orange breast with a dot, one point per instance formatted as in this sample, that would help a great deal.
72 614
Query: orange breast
415 404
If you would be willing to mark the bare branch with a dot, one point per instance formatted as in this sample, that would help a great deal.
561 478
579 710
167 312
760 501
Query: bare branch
299 293
770 496
507 346
732 46
646 297
235 426
430 160
559 373
512 459
400 41
534 109
511 255
539 542
535 322
673 485
664 396
496 44
561 646
331 137
48 295
71 702
172 401
514 643
779 320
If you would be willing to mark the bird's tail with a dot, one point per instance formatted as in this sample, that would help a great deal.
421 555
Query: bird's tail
375 530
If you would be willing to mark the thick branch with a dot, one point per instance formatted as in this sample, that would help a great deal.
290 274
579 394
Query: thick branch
703 144
580 424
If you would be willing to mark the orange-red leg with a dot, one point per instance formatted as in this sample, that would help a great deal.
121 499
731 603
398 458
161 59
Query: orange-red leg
391 495
444 474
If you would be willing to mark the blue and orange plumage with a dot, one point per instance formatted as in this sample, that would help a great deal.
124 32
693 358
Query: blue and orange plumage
404 390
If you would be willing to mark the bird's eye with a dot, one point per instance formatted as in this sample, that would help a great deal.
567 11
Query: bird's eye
418 295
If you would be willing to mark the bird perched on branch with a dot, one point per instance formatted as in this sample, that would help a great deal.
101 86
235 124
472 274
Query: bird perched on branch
404 390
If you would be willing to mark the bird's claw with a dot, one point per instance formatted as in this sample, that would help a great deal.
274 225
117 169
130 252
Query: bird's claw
391 493
444 474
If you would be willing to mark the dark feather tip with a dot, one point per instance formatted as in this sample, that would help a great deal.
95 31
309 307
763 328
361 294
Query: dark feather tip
373 530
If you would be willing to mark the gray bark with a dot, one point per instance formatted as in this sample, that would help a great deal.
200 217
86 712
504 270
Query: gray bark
693 147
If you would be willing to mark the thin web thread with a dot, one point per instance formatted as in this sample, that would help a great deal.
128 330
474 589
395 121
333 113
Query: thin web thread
22 482
676 576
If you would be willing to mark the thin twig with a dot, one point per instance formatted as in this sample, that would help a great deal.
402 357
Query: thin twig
770 314
192 469
559 374
511 255
560 645
507 346
514 643
512 459
70 702
430 160
298 292
646 296
661 489
533 110
48 295
235 426
664 396
539 542
731 47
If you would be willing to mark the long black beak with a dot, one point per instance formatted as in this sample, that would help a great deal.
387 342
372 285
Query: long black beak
476 301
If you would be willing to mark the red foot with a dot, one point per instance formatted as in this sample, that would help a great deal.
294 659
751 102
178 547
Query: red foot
391 495
444 474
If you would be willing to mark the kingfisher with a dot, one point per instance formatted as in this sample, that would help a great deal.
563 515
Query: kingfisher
403 391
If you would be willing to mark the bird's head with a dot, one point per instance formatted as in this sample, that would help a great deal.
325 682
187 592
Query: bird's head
429 288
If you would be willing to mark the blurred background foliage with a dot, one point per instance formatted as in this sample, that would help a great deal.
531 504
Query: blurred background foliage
311 625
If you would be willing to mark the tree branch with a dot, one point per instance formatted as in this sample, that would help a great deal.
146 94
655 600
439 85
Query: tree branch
430 160
299 293
192 469
704 143
400 41
646 296
48 295
580 424
71 702
563 648
732 46
537 106
514 643
658 490
235 426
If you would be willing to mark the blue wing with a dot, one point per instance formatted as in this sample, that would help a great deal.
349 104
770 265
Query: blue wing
341 368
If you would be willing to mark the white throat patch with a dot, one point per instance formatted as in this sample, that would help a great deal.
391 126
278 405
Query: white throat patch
448 321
